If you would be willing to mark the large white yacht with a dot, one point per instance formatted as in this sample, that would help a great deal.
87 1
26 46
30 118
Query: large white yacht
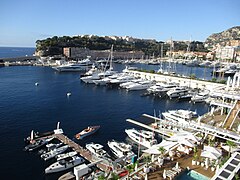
64 164
105 80
120 149
97 150
161 87
180 116
90 78
82 65
139 86
54 152
156 88
200 97
125 84
176 92
121 79
142 137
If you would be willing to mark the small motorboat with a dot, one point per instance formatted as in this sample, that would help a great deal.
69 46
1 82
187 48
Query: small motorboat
54 152
49 147
123 173
36 144
66 155
97 150
86 132
64 164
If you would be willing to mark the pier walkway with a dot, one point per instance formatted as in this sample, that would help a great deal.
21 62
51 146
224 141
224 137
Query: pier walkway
182 81
104 165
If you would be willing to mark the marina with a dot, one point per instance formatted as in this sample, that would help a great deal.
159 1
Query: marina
80 99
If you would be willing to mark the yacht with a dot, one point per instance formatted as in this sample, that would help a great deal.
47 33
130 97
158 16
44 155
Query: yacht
128 68
155 88
194 62
180 116
205 64
142 137
92 71
186 97
64 164
200 97
139 86
121 149
66 155
90 78
86 132
97 150
54 152
36 144
125 84
49 147
121 79
102 82
176 92
82 65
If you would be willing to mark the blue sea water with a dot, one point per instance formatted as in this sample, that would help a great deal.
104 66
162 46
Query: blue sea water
6 52
24 106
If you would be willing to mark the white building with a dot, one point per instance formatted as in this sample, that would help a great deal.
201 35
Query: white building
226 52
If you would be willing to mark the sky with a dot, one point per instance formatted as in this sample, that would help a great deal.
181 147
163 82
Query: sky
22 22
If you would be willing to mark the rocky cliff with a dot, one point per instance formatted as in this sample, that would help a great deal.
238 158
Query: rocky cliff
223 38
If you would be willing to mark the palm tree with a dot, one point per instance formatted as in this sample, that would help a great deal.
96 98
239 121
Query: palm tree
114 176
162 150
231 145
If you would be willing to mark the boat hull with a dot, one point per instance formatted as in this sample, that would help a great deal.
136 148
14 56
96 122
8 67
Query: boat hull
81 136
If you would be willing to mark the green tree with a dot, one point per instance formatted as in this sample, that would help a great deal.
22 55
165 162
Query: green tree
114 176
162 151
231 145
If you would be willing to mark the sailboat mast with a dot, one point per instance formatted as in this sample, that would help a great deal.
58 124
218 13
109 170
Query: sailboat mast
111 56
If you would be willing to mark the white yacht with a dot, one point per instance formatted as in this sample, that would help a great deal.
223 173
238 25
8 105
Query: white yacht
139 86
125 84
64 164
121 79
128 68
142 137
155 88
97 150
90 78
102 82
176 92
161 87
50 146
180 116
54 152
66 155
106 80
82 65
121 149
92 71
200 97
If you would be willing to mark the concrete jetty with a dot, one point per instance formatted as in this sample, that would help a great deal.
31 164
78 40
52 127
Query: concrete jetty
103 165
182 81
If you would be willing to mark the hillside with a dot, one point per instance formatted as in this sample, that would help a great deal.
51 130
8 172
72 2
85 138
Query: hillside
55 45
223 38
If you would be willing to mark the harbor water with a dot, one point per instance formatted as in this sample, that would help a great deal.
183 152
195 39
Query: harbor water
24 106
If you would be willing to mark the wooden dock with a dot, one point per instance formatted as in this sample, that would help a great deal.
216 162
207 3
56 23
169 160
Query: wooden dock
103 165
